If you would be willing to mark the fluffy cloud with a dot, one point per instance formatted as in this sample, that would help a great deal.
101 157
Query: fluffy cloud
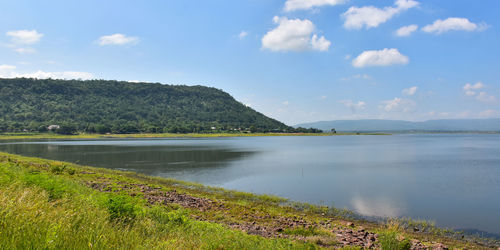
370 16
354 106
472 90
291 5
398 105
383 57
453 23
293 35
117 39
242 34
410 91
469 89
8 71
406 30
24 36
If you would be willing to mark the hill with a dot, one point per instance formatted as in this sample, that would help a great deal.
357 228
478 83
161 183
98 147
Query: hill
445 125
99 106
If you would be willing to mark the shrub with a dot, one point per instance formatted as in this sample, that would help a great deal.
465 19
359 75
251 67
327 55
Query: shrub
122 208
56 169
389 241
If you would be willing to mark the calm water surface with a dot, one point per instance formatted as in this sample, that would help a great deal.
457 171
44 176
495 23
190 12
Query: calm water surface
453 180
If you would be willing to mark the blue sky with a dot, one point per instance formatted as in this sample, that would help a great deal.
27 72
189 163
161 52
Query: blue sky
294 60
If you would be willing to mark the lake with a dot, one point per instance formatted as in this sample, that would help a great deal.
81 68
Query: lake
452 179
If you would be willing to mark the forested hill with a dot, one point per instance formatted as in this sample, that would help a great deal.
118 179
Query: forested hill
98 106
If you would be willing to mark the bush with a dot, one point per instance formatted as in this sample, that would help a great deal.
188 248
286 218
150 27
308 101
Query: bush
389 241
55 169
66 129
122 208
167 218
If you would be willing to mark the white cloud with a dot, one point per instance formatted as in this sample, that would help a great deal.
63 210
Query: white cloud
489 113
354 106
406 30
453 24
410 91
291 5
469 88
370 16
357 76
24 36
286 103
242 34
294 35
485 97
383 57
25 50
398 105
323 97
8 71
6 68
320 44
347 57
117 39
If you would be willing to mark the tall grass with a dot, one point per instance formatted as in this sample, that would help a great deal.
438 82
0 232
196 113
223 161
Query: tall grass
45 211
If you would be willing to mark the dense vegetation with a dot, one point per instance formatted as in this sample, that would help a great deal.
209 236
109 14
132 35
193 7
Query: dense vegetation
99 106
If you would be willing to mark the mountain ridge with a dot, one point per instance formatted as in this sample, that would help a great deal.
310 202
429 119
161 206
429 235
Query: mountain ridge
106 106
374 125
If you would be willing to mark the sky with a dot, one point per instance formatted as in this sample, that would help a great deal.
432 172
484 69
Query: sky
294 60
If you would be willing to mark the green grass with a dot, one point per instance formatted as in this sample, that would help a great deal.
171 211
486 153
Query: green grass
40 210
389 241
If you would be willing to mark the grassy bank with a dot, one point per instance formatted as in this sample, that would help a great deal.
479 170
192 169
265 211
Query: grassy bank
54 205
14 136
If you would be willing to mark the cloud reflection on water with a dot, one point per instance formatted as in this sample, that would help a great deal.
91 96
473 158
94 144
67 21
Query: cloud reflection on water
377 206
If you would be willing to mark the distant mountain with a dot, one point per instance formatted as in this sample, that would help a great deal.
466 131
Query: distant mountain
445 125
124 107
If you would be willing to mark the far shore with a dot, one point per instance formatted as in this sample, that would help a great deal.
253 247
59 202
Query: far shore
14 136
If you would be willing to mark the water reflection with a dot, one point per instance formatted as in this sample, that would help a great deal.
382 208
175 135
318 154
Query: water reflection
191 163
377 207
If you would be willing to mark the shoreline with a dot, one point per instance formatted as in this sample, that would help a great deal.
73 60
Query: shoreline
268 217
16 136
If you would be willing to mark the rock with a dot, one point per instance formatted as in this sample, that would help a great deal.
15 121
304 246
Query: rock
440 246
350 224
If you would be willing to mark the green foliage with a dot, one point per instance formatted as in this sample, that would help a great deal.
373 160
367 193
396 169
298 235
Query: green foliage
389 241
161 215
56 169
66 129
99 106
122 208
56 188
